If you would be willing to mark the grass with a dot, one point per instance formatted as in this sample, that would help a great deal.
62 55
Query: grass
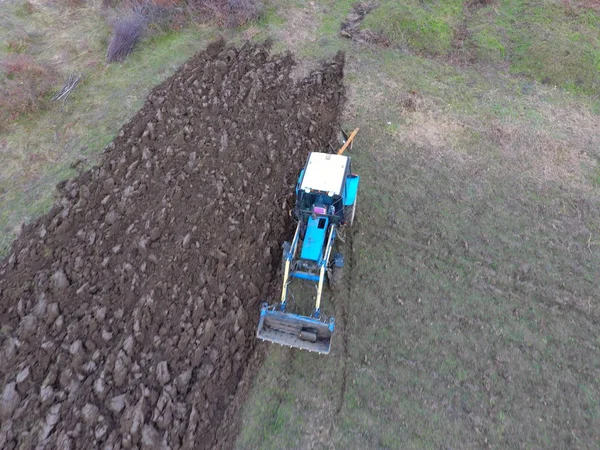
542 39
26 86
550 41
489 46
471 311
469 339
427 27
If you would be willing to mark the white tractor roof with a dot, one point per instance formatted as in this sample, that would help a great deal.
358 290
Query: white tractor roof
324 172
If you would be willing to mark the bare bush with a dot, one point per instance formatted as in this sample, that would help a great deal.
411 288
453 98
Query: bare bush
158 14
127 31
165 15
134 17
243 11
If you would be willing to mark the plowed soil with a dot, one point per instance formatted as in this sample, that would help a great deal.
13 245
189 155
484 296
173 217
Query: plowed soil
128 312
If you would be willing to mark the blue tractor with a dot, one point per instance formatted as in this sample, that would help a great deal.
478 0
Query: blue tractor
326 195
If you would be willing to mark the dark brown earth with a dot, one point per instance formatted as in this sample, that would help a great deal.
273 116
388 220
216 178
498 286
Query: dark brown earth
128 311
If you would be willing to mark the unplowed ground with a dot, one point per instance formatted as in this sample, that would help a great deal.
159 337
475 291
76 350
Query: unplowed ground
128 312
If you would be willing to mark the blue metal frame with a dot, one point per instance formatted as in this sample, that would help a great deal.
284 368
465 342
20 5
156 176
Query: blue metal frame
314 238
265 308
351 189
304 276
322 265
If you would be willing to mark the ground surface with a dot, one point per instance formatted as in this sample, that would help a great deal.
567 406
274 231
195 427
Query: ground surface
469 317
41 149
129 311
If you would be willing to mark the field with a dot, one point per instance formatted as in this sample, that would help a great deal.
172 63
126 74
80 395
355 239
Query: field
470 315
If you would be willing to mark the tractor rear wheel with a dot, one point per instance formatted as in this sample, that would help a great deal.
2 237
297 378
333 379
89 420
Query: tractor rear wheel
335 276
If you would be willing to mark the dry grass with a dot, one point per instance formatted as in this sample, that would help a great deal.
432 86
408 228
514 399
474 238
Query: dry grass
545 138
72 3
25 85
300 28
228 13
589 4
566 152
74 39
472 269
425 125
542 157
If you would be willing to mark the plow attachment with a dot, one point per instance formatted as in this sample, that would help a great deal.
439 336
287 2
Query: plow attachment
293 330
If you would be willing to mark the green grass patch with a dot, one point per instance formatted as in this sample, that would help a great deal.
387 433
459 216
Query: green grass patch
596 177
329 17
488 46
334 15
543 40
270 18
427 27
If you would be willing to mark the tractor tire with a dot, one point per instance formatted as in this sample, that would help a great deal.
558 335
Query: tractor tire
335 276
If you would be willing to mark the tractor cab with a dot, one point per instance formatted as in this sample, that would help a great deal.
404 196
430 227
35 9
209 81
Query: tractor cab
325 187
319 201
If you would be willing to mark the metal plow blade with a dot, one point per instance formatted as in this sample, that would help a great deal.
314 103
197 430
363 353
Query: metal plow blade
295 331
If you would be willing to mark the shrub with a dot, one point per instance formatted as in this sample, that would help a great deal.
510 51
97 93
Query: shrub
127 31
243 11
158 13
135 17
25 87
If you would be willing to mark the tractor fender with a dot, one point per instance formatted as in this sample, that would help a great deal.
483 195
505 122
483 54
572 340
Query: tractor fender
351 189
299 183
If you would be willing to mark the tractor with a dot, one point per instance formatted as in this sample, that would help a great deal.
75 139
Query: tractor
326 194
